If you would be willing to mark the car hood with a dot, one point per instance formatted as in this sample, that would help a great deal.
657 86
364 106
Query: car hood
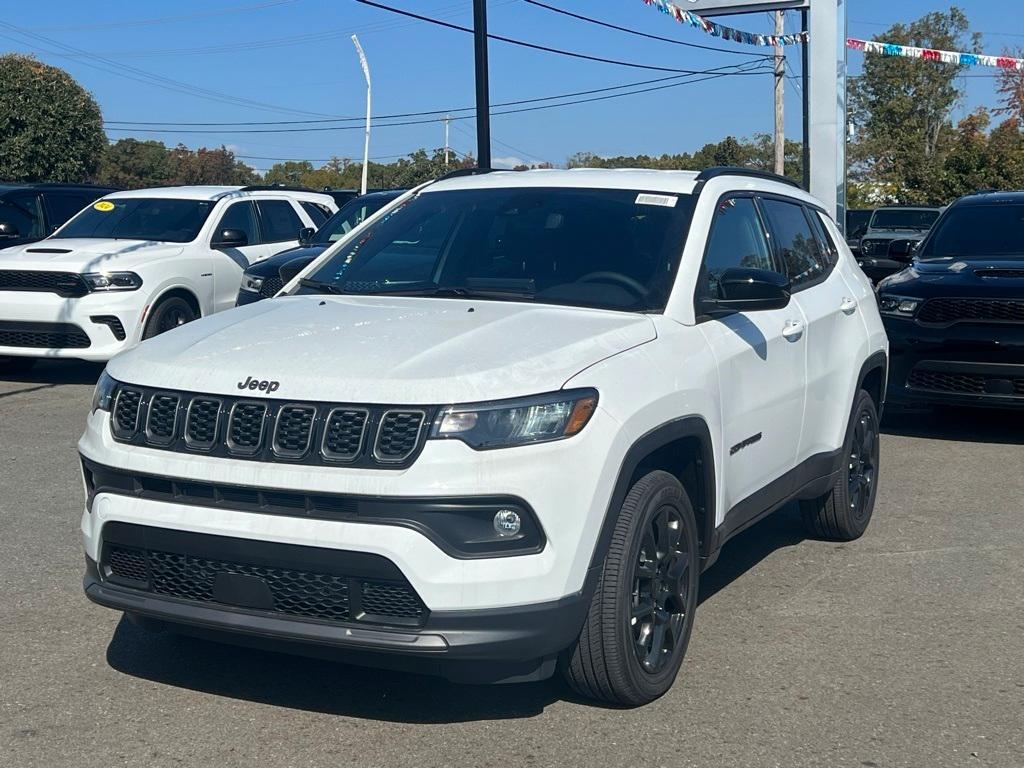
269 267
896 234
396 350
85 254
978 278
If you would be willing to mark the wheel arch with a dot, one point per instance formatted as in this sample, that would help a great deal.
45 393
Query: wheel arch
872 378
165 292
682 447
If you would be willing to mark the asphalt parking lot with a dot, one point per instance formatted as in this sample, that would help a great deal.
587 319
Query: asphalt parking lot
905 648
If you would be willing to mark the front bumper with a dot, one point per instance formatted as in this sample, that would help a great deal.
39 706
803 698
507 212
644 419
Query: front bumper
37 312
961 364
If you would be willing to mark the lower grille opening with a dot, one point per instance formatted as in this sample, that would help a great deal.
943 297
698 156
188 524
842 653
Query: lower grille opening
113 323
43 335
966 383
283 589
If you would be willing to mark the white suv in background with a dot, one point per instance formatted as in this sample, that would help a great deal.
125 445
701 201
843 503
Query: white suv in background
134 264
501 428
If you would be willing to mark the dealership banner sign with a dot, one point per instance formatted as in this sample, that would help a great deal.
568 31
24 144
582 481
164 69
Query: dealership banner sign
726 33
930 54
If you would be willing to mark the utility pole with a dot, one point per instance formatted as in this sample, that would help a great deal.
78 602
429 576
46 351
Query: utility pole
366 143
447 119
483 98
780 92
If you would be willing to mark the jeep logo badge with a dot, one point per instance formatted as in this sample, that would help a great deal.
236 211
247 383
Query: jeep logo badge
262 386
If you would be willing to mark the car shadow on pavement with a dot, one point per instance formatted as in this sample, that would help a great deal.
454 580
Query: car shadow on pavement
965 425
332 687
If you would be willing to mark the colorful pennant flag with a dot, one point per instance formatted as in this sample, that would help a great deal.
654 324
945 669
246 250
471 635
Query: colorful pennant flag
726 33
929 54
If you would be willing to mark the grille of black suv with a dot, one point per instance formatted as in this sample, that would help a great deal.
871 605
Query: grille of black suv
42 335
874 246
965 383
270 286
270 430
956 310
339 587
66 284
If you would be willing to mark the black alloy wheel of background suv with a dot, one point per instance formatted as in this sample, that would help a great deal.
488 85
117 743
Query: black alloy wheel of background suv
955 317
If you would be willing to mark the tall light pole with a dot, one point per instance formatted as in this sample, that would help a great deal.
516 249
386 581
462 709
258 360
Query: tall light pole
366 143
483 98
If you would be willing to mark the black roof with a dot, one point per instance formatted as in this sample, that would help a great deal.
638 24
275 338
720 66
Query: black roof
991 197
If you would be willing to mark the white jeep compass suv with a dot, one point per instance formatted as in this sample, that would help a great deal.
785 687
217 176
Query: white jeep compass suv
134 264
502 427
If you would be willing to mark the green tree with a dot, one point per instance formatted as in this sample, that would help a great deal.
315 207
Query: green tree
208 166
901 108
50 127
131 164
1010 88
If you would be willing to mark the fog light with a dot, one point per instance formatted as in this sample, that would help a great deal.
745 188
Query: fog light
507 522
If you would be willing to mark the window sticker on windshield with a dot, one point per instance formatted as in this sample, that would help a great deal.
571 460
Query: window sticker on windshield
667 201
104 205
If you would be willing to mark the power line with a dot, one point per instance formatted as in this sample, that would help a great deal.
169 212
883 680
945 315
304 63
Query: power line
536 46
643 34
605 97
412 114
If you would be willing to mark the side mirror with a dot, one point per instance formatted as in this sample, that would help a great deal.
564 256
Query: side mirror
230 238
8 231
306 235
902 250
748 290
290 269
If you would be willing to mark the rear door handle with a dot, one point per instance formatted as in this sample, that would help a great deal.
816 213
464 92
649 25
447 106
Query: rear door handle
849 306
793 330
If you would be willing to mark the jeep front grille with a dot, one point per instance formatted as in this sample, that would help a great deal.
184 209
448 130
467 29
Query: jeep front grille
270 430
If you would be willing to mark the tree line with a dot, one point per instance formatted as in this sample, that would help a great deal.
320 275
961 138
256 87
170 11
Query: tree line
906 146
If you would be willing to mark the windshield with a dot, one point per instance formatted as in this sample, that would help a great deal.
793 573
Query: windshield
140 218
903 218
349 217
977 231
857 222
614 249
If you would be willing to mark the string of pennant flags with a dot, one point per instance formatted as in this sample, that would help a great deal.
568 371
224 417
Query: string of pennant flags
930 54
726 33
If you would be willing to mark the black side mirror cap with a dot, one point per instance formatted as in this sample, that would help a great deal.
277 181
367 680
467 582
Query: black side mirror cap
748 290
290 269
8 230
230 238
902 250
306 235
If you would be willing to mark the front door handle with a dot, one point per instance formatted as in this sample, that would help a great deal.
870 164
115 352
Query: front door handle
793 330
849 306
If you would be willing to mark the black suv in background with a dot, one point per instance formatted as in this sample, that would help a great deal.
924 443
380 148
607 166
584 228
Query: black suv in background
887 225
955 317
263 280
30 212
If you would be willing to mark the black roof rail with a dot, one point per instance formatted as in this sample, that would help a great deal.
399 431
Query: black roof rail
724 170
465 172
274 188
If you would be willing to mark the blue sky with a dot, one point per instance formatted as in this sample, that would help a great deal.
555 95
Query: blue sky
418 67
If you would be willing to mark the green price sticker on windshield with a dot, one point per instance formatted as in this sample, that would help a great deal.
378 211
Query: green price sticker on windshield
104 205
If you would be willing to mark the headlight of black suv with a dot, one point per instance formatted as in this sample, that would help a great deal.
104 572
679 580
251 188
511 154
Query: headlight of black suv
112 281
103 395
898 306
505 423
251 283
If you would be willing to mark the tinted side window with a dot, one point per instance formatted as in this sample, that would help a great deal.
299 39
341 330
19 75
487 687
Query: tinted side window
240 216
63 206
279 220
737 240
827 247
794 241
315 212
23 211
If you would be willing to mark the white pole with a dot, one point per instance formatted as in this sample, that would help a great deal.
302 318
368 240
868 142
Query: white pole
447 119
366 144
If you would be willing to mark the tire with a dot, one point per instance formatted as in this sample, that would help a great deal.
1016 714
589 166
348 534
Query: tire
844 512
169 313
605 663
12 365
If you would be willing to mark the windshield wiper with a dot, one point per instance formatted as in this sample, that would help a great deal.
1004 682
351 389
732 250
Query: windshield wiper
319 285
455 292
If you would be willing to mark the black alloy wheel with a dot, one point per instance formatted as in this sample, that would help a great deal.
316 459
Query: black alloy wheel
167 315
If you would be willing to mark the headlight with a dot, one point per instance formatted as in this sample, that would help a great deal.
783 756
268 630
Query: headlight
103 395
517 422
251 283
898 306
112 281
